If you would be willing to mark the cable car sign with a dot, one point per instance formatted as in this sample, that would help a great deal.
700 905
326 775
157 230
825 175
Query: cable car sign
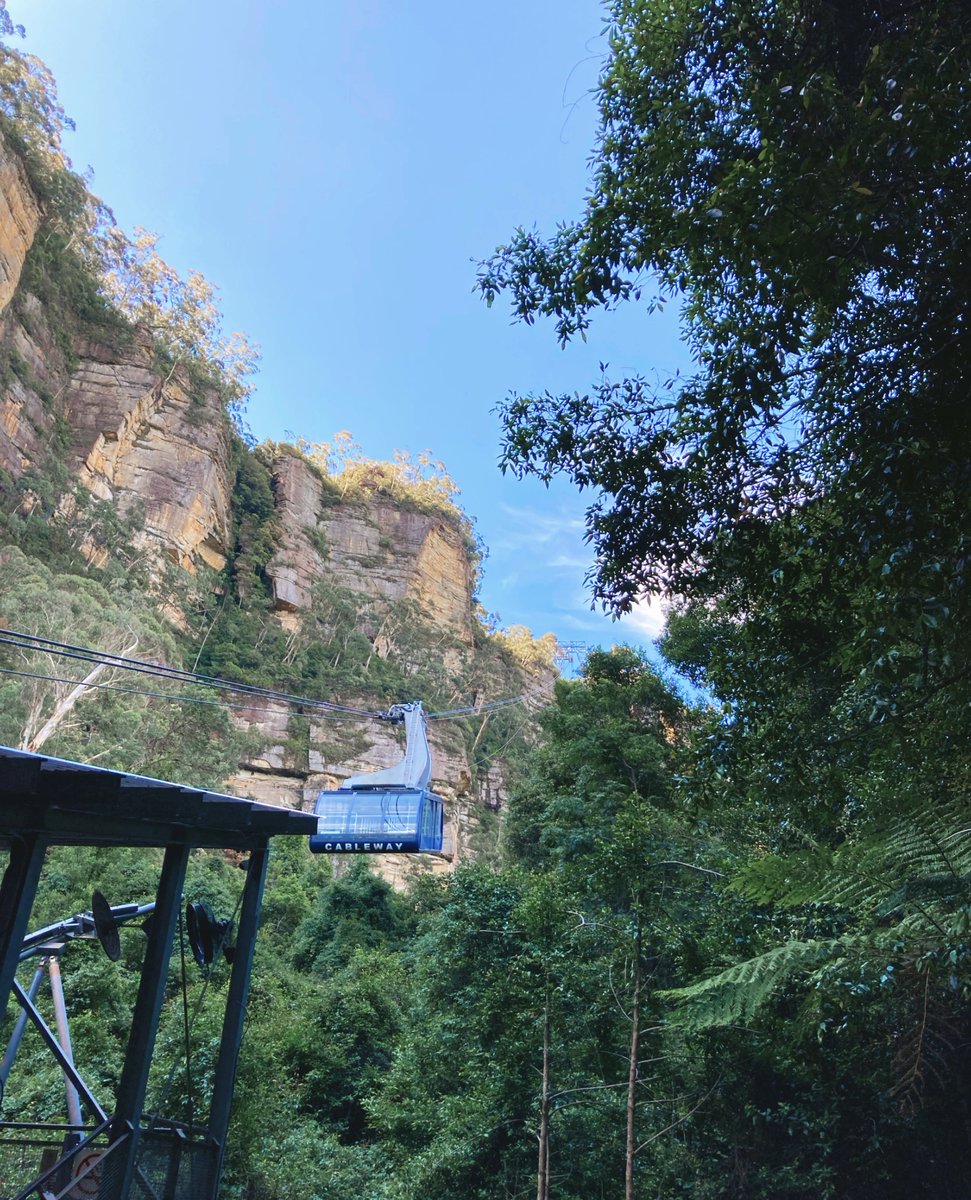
410 847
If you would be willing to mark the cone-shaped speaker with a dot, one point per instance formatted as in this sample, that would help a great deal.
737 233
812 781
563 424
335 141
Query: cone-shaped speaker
105 926
202 929
224 939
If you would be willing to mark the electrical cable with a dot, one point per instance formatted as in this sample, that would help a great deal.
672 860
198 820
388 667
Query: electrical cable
153 1116
33 642
29 641
186 1024
488 706
178 698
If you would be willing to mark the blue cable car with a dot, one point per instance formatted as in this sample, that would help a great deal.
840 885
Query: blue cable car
390 811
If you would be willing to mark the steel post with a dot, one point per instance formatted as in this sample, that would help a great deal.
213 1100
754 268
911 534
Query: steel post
232 1034
64 1036
17 893
117 1181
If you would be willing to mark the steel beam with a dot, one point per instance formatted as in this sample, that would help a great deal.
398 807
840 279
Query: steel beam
116 1183
19 1029
17 893
232 1033
63 1060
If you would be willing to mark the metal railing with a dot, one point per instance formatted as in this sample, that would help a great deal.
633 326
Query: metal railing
41 1161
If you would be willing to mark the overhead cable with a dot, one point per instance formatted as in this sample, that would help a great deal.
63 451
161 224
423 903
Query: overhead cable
28 641
35 643
487 706
174 697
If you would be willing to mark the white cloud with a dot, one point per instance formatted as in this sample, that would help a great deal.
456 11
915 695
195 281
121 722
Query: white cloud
569 562
533 528
647 617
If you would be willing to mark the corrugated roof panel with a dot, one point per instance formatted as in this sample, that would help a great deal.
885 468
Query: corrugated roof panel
71 801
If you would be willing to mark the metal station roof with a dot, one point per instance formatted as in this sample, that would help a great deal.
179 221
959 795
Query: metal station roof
84 805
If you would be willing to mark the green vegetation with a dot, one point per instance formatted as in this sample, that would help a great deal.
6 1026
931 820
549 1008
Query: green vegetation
396 1043
194 742
479 1032
789 174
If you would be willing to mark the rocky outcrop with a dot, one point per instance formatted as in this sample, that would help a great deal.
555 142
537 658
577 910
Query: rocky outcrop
124 432
135 439
27 422
375 548
299 561
20 217
141 439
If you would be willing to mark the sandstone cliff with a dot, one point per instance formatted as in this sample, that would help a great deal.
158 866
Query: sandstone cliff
103 417
92 413
376 548
20 217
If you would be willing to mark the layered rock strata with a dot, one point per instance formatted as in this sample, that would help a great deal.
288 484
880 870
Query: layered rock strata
375 548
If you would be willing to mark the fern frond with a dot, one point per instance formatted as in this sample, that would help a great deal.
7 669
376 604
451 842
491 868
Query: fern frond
918 854
956 843
786 879
925 1055
922 930
734 995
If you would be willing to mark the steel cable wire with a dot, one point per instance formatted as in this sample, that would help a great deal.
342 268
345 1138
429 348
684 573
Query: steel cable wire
37 644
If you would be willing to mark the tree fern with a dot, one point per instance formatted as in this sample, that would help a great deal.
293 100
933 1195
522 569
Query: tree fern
920 853
903 882
734 995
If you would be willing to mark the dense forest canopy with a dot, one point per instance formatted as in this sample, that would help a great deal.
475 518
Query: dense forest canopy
795 176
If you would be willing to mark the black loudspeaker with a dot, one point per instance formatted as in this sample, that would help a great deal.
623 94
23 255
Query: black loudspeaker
207 935
222 939
105 926
199 923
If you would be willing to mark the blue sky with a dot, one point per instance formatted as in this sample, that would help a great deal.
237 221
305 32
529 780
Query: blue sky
337 168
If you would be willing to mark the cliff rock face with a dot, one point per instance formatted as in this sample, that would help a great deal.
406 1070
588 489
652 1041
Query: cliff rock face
26 420
375 549
103 413
135 438
138 437
141 439
20 217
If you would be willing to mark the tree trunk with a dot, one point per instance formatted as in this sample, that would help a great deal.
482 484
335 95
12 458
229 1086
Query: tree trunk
635 1038
478 737
33 741
543 1159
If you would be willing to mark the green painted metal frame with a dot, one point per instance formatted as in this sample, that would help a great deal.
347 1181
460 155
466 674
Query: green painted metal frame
130 1097
239 982
46 802
17 892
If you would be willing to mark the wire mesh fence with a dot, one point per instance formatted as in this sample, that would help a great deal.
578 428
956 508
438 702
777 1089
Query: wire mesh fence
36 1161
170 1164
